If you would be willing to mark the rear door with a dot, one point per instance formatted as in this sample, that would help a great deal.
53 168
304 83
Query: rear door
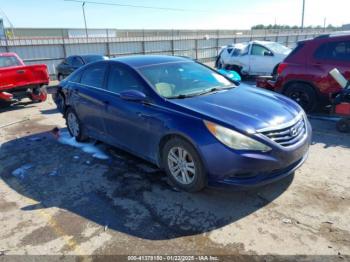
330 55
89 99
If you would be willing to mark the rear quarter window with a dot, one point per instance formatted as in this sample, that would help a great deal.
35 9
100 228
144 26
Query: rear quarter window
296 49
94 75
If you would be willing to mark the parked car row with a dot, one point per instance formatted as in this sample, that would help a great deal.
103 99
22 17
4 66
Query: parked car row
304 73
200 125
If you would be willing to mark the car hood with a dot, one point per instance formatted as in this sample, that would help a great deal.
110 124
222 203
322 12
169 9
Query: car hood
245 108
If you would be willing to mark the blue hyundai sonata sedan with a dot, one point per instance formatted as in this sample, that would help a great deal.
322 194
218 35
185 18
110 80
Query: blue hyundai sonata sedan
194 123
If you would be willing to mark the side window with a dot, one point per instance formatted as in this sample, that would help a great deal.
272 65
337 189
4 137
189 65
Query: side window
75 77
321 52
121 79
259 50
77 61
338 51
94 75
8 61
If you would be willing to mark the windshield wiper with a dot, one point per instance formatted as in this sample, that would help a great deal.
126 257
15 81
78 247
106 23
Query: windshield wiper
181 96
212 90
207 91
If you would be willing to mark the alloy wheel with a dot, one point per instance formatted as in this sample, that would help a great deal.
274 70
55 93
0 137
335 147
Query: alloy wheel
73 124
181 165
301 98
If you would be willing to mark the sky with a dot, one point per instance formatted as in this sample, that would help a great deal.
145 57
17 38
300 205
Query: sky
199 14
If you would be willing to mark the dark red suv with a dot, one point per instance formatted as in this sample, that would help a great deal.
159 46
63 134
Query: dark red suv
304 74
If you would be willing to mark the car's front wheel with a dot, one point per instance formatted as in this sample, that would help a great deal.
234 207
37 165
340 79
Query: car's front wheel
183 165
74 125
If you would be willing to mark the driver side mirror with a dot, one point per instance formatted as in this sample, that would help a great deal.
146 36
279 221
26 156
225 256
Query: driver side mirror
268 53
133 95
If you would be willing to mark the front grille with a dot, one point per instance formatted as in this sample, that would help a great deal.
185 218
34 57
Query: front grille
289 135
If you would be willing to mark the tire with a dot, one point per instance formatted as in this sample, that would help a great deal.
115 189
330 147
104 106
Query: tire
60 102
343 125
60 77
39 94
74 129
274 71
235 68
304 95
175 154
218 63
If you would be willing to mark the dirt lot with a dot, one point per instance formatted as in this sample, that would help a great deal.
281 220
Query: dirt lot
65 201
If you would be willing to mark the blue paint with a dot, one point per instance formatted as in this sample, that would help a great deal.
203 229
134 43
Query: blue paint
138 124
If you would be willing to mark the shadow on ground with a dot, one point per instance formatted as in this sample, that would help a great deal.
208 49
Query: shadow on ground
17 106
325 133
124 193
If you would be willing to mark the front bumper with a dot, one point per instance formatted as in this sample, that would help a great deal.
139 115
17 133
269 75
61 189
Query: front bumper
260 179
229 167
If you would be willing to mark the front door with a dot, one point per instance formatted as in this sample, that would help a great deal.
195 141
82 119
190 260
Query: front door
261 60
131 125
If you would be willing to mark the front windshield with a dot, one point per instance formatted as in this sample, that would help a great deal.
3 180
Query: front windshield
183 79
278 48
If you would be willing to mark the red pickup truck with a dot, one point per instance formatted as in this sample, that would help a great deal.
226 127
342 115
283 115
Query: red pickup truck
18 80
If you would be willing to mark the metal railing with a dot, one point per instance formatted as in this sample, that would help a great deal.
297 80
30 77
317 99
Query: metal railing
203 45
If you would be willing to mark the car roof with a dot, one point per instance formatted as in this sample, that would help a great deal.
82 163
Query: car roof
137 61
92 55
262 42
8 54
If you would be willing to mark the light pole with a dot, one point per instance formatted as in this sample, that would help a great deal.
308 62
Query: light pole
302 16
86 30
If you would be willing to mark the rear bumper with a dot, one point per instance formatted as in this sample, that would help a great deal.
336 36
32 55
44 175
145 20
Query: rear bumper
4 96
266 82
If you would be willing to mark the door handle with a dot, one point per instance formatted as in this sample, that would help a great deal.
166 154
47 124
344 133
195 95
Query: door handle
20 71
106 102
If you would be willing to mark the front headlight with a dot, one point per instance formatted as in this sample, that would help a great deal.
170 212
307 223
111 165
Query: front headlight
234 139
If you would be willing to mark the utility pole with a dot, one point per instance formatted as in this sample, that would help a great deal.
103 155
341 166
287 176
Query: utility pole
302 16
8 20
86 30
324 24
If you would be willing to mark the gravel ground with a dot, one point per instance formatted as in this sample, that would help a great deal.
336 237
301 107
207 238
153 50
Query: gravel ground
56 199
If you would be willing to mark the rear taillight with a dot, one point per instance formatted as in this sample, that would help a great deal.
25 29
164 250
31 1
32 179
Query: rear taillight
281 67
